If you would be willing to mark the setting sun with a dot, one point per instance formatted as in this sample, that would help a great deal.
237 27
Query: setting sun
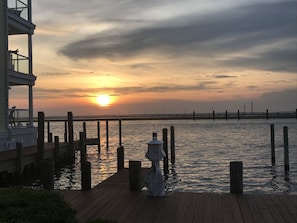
103 100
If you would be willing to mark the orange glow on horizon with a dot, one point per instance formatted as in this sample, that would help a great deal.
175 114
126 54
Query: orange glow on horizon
103 100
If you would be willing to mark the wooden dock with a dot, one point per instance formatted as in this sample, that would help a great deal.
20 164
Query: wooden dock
29 156
8 158
112 200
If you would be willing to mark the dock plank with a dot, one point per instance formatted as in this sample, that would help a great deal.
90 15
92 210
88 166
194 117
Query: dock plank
134 200
244 209
236 213
168 209
265 213
226 204
255 212
217 208
112 200
201 207
290 204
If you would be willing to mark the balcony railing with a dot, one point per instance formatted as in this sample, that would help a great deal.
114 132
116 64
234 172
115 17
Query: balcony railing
19 8
18 62
18 118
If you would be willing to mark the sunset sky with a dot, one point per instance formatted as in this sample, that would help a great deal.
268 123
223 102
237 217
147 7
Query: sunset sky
164 56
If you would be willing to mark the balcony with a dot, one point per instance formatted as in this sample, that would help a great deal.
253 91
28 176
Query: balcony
18 62
19 8
18 69
19 17
19 130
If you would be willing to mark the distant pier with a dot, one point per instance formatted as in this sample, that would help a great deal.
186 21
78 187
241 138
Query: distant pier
176 116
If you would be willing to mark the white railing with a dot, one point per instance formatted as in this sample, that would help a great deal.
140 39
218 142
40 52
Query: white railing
18 62
18 118
19 8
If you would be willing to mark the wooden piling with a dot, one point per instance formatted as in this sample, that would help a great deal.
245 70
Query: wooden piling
57 150
120 132
85 135
213 115
135 175
40 140
120 158
238 114
50 137
86 179
82 147
272 144
194 115
286 149
236 181
65 131
71 153
165 148
107 140
226 115
172 145
267 114
48 174
19 159
49 134
98 136
85 129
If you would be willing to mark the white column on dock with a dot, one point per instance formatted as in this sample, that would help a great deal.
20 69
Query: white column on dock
3 67
30 106
30 55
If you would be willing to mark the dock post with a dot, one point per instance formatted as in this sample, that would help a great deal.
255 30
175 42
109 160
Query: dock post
65 132
272 144
82 147
267 114
120 132
40 140
85 129
71 153
172 145
286 148
236 181
86 179
213 115
135 175
19 160
85 133
120 158
194 115
49 134
165 148
107 143
98 136
238 114
48 174
50 137
226 115
57 150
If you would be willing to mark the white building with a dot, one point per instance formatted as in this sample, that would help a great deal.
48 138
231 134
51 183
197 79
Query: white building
16 125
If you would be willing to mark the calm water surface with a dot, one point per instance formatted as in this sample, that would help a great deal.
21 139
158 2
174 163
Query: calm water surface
204 149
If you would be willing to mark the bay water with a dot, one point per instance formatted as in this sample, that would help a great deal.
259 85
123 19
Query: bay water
204 150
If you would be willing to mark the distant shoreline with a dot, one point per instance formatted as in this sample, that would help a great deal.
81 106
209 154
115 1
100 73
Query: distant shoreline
180 116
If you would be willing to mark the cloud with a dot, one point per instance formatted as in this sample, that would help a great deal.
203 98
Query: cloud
223 76
230 37
280 100
127 90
